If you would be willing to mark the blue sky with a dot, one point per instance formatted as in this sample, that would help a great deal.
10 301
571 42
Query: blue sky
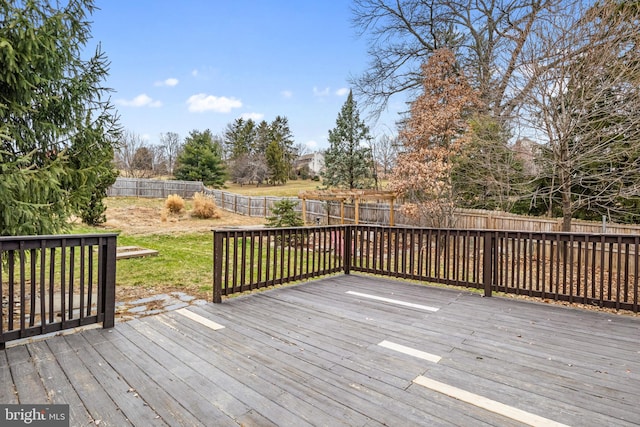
177 66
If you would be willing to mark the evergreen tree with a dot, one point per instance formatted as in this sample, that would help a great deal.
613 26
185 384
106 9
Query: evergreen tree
239 138
95 173
278 171
57 132
349 164
263 137
283 214
280 132
487 173
200 160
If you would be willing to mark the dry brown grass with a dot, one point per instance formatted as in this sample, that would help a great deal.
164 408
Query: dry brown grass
174 203
204 207
138 216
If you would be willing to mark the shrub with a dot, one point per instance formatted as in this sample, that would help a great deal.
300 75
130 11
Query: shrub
174 203
204 207
284 215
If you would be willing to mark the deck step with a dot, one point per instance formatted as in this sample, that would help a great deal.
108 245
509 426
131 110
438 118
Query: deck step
126 252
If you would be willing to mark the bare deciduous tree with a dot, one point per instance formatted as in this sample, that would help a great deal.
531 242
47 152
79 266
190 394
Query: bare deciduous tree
384 151
585 103
130 144
143 162
250 169
489 38
171 145
159 161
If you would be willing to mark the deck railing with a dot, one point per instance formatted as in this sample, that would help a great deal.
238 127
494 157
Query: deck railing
593 269
52 283
245 260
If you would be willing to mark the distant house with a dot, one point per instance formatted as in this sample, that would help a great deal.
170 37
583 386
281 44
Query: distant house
313 161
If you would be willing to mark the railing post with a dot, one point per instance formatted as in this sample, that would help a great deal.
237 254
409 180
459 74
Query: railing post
109 282
346 251
217 266
487 264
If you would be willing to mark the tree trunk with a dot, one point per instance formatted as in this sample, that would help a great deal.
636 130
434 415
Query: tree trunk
566 206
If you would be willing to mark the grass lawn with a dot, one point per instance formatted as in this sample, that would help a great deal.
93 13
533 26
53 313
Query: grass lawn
185 261
290 189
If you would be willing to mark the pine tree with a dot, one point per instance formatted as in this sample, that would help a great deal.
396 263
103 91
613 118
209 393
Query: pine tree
349 164
278 173
240 138
200 160
280 132
283 214
57 132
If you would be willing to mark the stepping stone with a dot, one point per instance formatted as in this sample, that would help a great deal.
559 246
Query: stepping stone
125 252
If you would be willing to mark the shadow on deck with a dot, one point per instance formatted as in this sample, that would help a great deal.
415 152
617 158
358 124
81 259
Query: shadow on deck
345 350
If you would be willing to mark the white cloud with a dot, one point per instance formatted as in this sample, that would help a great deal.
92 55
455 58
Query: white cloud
253 116
194 73
142 100
203 102
318 92
312 145
343 91
145 137
286 94
168 82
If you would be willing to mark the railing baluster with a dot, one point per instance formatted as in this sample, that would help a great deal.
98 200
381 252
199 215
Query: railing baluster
82 278
42 293
36 302
561 266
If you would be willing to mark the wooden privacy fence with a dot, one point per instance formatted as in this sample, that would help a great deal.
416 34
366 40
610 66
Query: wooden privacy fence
153 188
329 213
51 283
593 269
253 206
333 213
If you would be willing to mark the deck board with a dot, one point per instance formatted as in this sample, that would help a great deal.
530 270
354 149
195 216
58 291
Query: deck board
29 387
309 355
55 381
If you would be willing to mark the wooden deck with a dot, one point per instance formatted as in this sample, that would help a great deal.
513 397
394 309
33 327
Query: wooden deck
314 354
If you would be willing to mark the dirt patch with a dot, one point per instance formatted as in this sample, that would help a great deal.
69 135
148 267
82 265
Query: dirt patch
139 217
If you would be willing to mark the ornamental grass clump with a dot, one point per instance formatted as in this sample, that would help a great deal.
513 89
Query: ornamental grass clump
204 207
174 204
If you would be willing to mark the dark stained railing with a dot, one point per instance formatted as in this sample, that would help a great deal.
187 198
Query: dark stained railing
52 283
594 269
245 260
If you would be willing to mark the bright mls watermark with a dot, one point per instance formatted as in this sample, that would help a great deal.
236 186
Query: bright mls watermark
34 415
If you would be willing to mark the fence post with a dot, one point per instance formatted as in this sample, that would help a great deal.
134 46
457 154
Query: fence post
487 264
346 251
217 266
109 281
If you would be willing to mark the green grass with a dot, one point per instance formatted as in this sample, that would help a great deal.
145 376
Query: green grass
184 260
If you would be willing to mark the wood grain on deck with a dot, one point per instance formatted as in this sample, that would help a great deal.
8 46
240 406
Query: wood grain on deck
310 355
